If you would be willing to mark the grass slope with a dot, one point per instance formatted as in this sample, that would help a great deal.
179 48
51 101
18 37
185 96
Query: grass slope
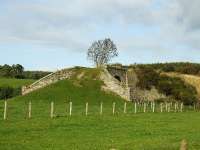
15 82
151 131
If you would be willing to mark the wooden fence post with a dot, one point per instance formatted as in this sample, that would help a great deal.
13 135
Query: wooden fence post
29 110
135 107
174 107
113 108
169 104
5 110
184 145
177 105
161 107
52 110
70 108
101 108
125 107
166 107
153 106
145 107
86 109
181 107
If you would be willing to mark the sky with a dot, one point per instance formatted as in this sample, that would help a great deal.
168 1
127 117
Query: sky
55 34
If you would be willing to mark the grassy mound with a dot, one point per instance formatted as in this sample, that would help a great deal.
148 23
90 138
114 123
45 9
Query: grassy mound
83 87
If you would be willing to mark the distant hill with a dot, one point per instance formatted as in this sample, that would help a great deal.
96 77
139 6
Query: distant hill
180 67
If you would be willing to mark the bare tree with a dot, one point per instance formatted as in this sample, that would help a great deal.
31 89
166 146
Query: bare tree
102 51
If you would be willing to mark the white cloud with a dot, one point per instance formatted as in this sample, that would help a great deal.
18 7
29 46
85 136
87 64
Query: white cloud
73 25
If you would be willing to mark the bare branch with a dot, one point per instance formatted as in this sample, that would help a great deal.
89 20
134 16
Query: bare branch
102 51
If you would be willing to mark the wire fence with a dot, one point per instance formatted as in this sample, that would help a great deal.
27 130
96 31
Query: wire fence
52 110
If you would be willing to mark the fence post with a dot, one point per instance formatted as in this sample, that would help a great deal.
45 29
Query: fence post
144 107
177 106
113 108
5 110
70 108
161 107
153 106
125 107
166 107
101 108
86 109
135 107
181 107
169 104
174 107
29 110
52 110
184 145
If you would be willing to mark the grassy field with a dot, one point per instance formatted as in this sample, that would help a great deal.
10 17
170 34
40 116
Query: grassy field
148 131
15 82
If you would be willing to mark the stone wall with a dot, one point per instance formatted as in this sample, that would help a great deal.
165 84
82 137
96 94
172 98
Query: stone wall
47 80
127 78
114 85
118 73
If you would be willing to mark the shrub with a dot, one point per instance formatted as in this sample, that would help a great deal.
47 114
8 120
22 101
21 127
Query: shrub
177 89
9 92
147 78
168 68
173 88
181 67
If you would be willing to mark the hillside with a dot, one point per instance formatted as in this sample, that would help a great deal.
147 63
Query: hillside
132 84
193 80
83 87
120 131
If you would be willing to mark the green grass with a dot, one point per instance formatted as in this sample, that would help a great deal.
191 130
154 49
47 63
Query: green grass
141 131
15 82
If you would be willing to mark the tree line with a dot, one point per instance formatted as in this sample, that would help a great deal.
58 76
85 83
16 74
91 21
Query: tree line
17 71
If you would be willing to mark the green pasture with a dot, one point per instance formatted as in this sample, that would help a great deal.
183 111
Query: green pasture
15 82
130 131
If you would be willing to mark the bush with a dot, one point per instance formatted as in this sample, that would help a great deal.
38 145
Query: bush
168 68
147 78
173 88
177 89
9 92
181 67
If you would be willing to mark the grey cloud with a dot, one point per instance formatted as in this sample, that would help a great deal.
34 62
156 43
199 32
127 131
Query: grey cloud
190 13
73 25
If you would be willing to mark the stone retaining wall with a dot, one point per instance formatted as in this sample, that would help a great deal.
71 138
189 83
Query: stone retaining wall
47 80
